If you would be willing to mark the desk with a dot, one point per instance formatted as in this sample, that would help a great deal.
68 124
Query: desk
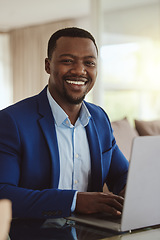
36 230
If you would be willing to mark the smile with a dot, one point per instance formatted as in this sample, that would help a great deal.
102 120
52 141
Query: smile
75 82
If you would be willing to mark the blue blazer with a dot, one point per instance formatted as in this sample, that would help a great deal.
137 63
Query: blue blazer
29 158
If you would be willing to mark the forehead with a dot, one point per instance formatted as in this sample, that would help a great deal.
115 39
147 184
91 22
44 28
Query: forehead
81 47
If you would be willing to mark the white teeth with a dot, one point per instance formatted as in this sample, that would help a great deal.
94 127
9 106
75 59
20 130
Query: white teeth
75 82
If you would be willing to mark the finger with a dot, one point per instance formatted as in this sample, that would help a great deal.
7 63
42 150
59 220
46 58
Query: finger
119 199
110 210
122 193
115 204
111 205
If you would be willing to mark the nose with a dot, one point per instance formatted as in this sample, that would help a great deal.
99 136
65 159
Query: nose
78 69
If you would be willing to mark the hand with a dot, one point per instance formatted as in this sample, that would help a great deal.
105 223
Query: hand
94 202
122 193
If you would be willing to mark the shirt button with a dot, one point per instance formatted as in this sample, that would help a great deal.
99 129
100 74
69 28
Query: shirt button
76 155
67 122
75 181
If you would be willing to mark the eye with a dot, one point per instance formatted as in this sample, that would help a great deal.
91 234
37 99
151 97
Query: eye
90 63
67 61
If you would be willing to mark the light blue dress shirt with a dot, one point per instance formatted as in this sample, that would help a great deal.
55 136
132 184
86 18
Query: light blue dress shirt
75 162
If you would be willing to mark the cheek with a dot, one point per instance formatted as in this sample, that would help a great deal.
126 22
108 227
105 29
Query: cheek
91 85
61 71
56 73
93 75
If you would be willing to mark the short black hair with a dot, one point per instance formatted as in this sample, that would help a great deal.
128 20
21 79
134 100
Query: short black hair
68 32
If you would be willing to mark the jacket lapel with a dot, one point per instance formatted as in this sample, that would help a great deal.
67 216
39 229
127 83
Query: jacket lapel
96 166
48 128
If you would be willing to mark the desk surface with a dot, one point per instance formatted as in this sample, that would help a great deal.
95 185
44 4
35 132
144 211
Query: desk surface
149 234
37 230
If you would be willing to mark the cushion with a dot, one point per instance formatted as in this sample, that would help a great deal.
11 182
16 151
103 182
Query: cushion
124 134
148 128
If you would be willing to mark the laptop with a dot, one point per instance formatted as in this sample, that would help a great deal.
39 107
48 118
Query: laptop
142 197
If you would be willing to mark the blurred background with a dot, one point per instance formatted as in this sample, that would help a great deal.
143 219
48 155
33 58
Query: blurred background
128 36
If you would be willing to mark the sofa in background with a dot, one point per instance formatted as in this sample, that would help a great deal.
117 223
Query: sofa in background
125 133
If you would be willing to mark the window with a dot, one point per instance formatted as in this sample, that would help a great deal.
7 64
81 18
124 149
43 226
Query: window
5 72
130 59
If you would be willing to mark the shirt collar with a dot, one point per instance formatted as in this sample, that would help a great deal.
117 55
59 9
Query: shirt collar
60 116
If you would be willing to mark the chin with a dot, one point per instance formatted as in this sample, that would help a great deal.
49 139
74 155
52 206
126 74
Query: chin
75 101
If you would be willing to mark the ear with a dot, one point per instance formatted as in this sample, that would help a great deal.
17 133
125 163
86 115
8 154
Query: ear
47 65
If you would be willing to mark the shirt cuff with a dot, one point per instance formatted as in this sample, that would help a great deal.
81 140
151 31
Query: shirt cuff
74 202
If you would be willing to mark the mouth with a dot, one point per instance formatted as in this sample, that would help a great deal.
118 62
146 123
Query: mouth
76 88
80 81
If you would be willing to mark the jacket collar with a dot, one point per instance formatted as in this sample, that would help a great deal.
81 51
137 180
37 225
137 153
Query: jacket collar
48 128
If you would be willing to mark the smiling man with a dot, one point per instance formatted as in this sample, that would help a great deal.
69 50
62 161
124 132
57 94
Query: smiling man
73 72
57 150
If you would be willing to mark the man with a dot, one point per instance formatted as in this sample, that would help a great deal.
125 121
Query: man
56 150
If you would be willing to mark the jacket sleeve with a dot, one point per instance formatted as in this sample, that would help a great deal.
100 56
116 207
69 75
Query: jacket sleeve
26 202
117 176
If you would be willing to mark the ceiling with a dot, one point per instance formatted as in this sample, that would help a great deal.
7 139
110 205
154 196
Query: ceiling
21 13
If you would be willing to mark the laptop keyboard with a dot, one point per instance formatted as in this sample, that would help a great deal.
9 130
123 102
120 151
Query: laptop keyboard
108 217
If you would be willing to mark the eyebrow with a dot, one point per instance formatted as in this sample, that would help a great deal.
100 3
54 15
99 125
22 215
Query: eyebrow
73 56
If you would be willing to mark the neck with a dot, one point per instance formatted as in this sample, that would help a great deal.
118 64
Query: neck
72 112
